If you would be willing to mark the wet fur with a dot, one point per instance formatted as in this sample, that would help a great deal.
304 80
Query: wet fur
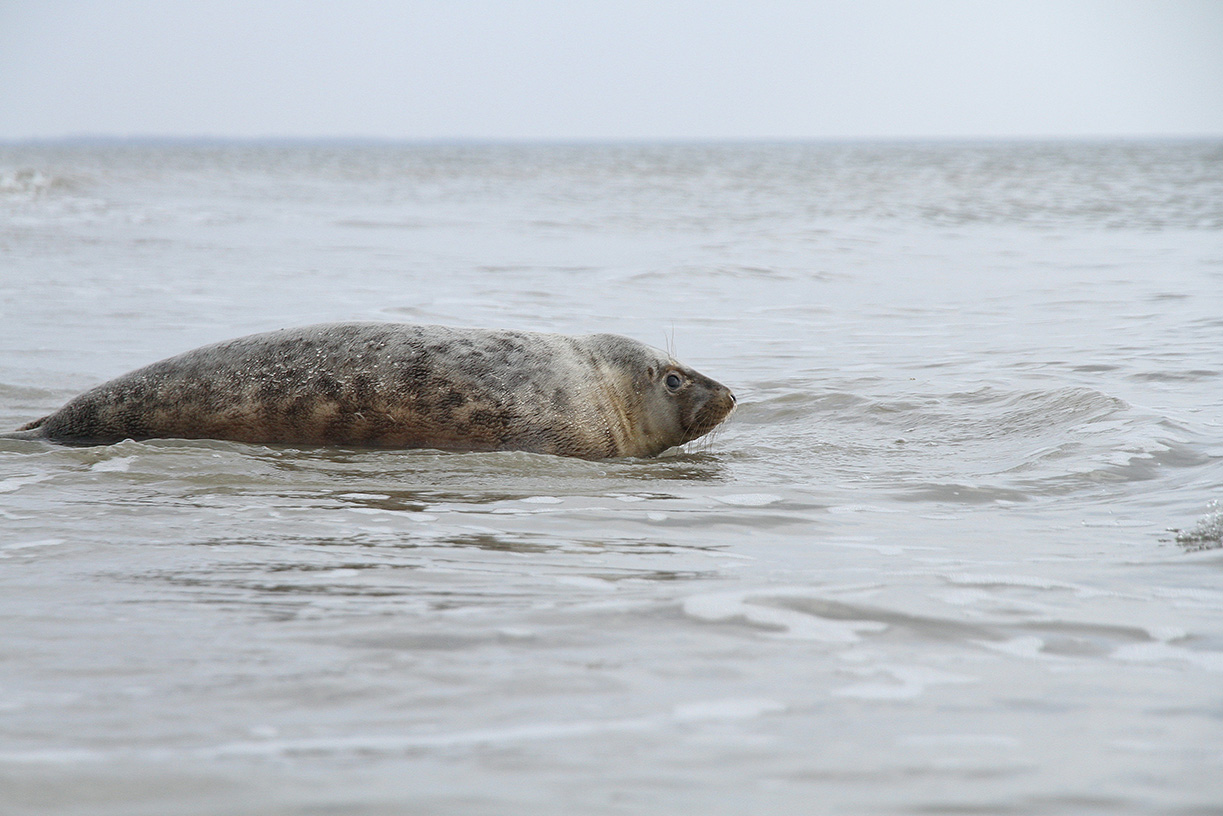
387 385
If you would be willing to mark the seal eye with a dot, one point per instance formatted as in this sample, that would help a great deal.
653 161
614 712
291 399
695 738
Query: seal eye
673 381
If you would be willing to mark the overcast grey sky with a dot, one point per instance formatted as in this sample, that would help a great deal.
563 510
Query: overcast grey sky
639 69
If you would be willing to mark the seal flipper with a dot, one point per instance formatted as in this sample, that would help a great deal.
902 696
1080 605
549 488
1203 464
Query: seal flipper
30 430
25 432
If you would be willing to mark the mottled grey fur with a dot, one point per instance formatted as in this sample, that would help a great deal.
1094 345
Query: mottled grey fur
390 385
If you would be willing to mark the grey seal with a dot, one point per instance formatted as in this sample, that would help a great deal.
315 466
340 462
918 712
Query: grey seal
392 385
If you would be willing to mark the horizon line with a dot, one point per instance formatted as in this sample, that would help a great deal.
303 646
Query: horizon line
366 140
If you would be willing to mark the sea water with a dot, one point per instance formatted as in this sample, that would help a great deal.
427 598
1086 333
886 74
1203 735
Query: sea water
957 551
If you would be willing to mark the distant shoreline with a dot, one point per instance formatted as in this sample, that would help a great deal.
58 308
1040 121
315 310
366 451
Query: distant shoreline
371 141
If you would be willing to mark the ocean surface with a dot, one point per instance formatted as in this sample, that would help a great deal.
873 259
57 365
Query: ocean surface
958 550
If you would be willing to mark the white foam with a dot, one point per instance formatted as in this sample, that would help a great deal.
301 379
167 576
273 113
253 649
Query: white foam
585 582
861 508
730 709
341 572
62 756
958 741
403 742
6 549
121 464
685 713
40 542
912 682
783 623
17 482
1029 581
1167 633
1161 652
749 499
1027 646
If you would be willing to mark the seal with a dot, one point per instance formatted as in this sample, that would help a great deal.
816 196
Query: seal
393 385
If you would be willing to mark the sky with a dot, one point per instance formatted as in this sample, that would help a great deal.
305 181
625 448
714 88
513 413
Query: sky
637 69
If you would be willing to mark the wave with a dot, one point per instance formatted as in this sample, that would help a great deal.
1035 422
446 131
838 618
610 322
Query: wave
28 183
985 445
802 186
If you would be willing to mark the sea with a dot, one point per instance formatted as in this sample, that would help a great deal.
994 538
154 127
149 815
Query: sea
959 550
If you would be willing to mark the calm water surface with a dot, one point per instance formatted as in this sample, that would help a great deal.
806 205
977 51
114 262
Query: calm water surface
958 551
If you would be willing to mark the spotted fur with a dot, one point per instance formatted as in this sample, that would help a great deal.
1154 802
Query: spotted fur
389 385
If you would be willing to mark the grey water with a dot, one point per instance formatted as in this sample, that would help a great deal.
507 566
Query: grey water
957 551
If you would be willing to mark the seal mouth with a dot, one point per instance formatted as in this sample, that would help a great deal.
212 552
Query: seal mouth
710 415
